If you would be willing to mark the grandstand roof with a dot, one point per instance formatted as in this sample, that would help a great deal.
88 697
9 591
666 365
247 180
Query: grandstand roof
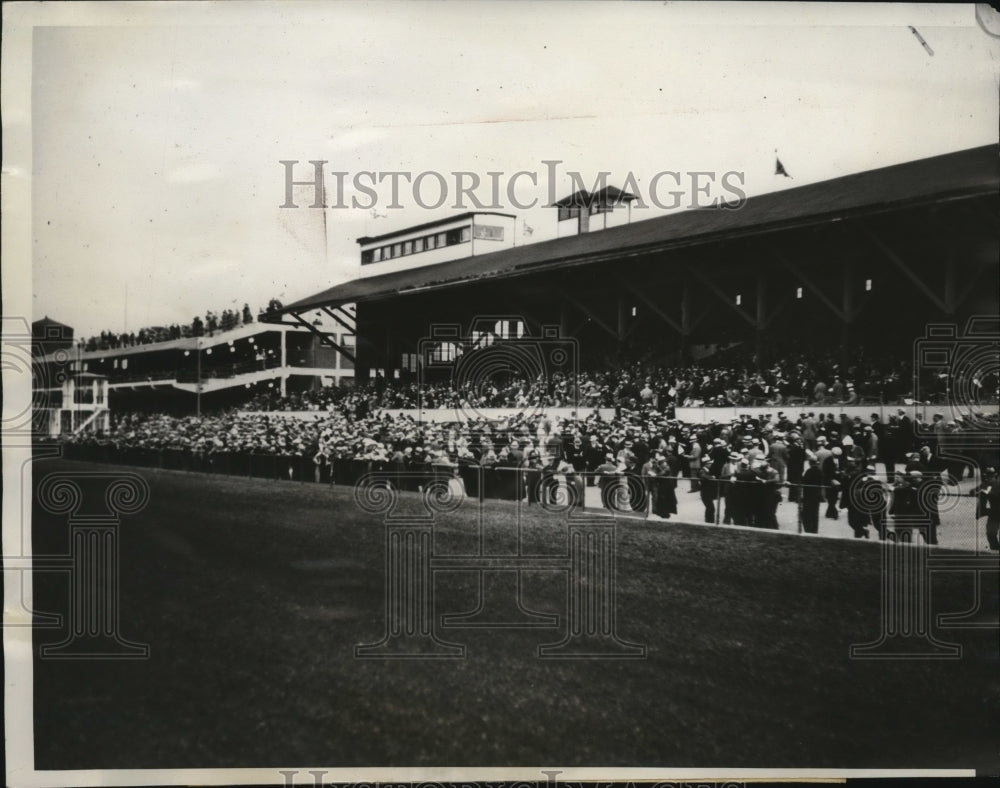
957 175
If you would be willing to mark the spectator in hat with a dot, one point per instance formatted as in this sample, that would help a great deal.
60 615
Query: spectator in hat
905 507
930 490
718 456
742 495
574 482
693 457
796 465
778 456
727 481
665 483
608 479
593 456
873 491
626 457
810 431
906 440
871 444
832 469
852 500
853 451
813 493
768 494
709 490
988 505
823 451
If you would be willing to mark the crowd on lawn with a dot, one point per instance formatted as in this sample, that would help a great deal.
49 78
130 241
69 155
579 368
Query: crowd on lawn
742 468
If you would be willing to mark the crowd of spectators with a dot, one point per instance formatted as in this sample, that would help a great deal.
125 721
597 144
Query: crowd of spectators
741 468
796 381
214 322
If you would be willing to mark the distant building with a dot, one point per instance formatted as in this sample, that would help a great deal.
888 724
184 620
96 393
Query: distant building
49 335
76 389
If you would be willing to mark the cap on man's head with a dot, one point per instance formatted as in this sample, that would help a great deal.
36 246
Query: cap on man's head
837 451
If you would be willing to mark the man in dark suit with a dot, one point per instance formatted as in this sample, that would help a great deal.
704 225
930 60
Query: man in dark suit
593 455
812 495
608 480
796 466
988 505
832 470
906 440
743 494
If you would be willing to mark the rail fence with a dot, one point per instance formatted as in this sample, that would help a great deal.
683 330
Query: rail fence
753 503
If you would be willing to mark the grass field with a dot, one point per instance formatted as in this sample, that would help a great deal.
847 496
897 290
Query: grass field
253 594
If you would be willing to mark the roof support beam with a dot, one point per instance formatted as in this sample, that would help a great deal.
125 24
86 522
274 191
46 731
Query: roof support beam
813 288
719 293
332 313
324 336
904 268
971 286
590 313
653 307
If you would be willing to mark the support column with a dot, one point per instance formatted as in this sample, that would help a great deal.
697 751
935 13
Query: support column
950 290
761 319
622 320
388 366
563 318
685 320
847 316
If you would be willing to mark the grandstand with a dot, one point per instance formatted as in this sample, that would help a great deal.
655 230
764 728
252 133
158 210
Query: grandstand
217 368
867 259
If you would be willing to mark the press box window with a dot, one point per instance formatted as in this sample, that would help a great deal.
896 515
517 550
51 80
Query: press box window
458 235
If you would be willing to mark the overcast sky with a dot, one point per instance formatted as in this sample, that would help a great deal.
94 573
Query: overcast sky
156 141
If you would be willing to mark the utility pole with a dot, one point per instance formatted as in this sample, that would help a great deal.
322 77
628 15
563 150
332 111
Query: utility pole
198 384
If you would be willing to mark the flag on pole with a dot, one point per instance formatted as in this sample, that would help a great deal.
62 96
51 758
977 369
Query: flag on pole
779 168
